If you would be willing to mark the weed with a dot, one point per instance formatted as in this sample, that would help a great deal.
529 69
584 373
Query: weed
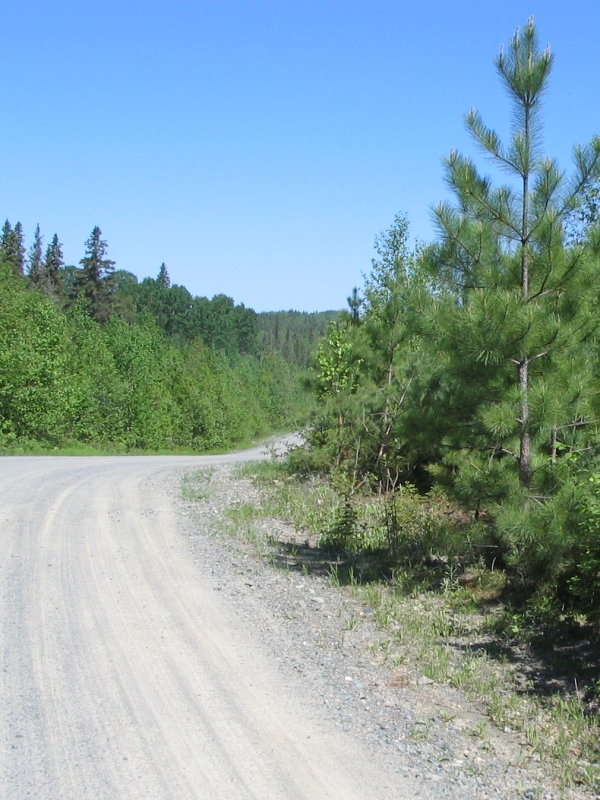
243 513
420 731
465 673
435 663
383 617
446 716
385 646
334 576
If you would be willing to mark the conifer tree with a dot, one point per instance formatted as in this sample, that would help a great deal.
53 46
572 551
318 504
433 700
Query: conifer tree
51 281
18 249
12 247
514 309
355 302
163 277
6 237
35 258
95 278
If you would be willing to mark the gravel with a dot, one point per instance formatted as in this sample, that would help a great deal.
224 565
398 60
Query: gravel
329 647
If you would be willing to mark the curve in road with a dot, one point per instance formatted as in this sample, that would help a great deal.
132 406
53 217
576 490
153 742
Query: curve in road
123 674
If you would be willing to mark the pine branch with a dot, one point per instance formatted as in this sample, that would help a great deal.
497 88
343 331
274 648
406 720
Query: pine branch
488 139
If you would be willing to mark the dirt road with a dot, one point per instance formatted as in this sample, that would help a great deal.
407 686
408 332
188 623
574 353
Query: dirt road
123 675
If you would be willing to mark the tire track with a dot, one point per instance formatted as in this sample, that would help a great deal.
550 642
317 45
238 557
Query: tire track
139 682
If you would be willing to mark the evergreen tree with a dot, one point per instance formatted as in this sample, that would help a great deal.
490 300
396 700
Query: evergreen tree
6 239
35 258
19 249
294 334
355 302
95 278
511 318
247 329
12 248
163 277
51 279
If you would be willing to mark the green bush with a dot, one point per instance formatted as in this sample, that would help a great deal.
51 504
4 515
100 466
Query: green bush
584 581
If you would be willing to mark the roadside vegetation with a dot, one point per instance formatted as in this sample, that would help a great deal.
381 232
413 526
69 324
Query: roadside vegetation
450 475
444 614
464 377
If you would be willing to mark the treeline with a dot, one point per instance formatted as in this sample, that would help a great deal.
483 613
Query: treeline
218 322
90 355
294 334
470 366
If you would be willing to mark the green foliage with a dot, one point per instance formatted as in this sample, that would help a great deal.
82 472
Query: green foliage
409 525
64 377
220 323
471 363
293 334
36 394
49 273
92 358
584 568
337 366
35 258
163 277
12 249
343 531
94 281
366 370
513 326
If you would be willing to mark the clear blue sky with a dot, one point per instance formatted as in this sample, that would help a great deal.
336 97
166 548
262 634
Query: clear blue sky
258 147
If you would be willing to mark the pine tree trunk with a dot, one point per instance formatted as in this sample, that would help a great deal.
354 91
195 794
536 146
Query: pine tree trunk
525 447
525 454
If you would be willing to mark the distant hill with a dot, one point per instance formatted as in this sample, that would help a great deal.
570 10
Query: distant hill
294 334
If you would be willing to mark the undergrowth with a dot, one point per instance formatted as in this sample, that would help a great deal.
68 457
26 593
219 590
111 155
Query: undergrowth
447 609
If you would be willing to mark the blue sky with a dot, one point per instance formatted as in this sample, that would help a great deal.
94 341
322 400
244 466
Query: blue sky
258 147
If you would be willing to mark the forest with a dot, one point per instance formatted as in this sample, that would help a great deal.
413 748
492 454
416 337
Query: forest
92 357
463 379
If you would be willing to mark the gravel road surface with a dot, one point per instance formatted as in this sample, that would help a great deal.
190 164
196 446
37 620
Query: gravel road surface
124 674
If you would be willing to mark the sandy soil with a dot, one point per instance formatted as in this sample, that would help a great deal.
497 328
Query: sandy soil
123 674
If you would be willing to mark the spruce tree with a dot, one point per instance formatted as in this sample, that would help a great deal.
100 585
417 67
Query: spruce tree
513 313
51 282
18 249
6 237
35 258
163 277
12 247
95 278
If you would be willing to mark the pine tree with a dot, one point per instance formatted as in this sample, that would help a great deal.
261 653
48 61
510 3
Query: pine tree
95 278
513 311
12 248
35 258
163 277
355 302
